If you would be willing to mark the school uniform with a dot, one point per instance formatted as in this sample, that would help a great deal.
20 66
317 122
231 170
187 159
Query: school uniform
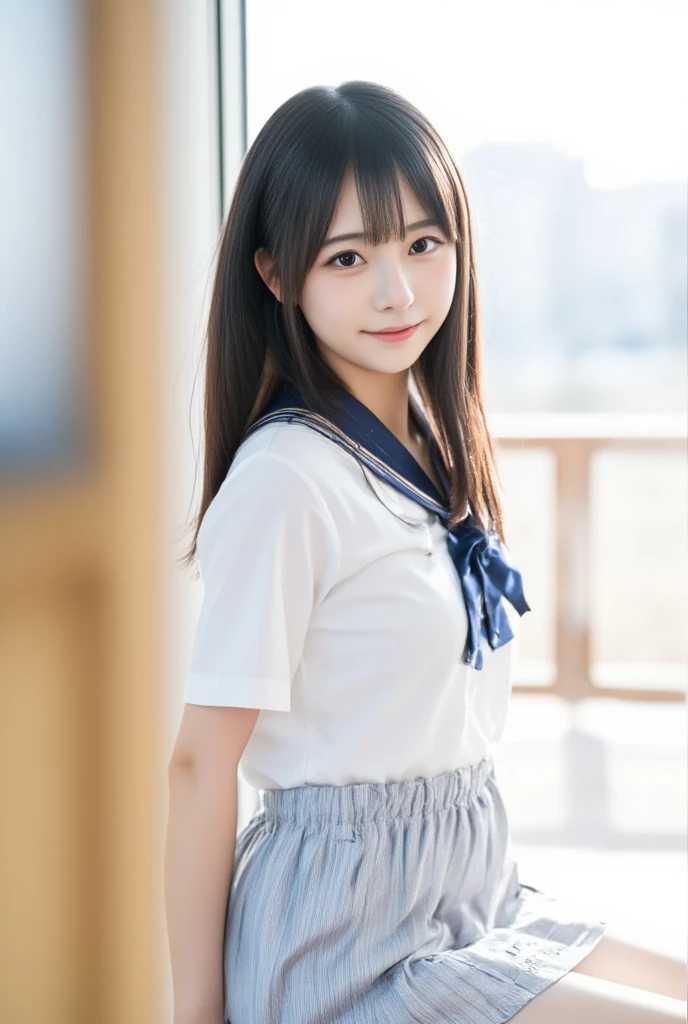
375 882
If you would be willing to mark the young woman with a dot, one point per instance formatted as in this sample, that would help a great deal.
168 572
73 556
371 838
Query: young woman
354 649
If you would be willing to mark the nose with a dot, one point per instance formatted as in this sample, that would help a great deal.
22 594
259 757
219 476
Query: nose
391 287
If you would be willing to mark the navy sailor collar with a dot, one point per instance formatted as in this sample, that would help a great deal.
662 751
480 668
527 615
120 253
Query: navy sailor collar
486 573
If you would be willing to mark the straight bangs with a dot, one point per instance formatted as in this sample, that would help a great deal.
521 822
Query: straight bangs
377 151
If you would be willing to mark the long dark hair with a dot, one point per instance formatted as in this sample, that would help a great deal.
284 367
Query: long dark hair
284 200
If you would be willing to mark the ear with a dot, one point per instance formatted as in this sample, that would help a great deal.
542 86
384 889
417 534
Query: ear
265 265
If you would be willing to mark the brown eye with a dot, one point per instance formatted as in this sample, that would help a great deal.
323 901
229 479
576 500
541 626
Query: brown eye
425 240
343 256
351 255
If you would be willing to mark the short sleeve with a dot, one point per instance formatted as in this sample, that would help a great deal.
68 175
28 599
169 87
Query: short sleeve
268 552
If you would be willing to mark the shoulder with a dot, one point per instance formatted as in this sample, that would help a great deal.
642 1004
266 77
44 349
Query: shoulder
282 472
295 450
300 443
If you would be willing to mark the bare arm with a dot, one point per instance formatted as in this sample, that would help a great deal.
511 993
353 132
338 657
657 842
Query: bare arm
199 855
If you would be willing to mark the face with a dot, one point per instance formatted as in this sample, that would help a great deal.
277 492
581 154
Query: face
354 289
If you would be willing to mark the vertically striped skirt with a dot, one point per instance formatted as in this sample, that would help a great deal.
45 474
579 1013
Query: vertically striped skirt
390 903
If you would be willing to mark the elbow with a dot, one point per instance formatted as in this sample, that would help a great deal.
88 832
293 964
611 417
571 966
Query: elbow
211 738
177 762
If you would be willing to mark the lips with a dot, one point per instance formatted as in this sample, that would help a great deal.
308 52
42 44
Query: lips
393 330
395 333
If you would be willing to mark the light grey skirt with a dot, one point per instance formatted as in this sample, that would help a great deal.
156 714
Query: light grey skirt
394 902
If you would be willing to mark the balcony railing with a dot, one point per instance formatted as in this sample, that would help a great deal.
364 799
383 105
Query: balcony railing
573 442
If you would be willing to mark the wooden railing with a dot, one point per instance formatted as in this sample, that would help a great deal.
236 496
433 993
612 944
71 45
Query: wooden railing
574 441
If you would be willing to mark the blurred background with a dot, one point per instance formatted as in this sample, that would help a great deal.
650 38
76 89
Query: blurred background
124 123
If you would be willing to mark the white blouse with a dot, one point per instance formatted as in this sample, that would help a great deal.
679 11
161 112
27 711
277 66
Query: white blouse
344 624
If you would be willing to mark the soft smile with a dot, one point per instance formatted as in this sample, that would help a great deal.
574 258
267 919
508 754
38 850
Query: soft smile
395 334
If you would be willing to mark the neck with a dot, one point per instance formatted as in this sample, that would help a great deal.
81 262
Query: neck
386 395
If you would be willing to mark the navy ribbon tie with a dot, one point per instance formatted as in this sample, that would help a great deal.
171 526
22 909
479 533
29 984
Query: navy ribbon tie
486 576
481 561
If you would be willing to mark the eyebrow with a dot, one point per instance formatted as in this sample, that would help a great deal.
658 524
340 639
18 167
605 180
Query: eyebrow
428 222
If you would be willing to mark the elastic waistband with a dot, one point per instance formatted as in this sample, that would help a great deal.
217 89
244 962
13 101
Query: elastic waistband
361 802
